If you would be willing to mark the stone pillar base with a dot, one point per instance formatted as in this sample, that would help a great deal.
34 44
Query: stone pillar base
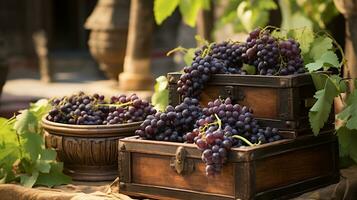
132 82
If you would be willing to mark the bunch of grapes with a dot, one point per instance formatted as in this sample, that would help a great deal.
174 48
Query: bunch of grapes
262 52
224 125
78 109
82 109
214 129
129 109
292 61
192 82
171 124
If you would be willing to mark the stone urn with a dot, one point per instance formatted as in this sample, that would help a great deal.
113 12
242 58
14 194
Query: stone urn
88 152
107 41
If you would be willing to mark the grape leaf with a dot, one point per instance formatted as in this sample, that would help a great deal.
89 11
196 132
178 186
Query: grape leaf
328 59
32 144
43 166
10 150
347 140
305 37
54 177
319 80
320 46
331 58
298 20
29 181
48 154
250 69
189 10
7 134
26 122
40 108
164 9
320 111
160 98
349 113
314 66
265 5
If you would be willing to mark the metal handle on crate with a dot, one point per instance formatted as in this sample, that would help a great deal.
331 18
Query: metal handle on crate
180 163
232 92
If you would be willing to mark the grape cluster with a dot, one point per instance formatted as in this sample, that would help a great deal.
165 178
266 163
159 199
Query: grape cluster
82 109
292 61
171 124
223 125
214 129
131 109
262 52
267 54
196 76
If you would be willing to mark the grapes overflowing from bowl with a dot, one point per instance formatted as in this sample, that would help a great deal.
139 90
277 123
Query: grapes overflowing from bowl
83 109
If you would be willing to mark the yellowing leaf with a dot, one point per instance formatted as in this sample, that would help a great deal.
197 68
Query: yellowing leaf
163 9
305 36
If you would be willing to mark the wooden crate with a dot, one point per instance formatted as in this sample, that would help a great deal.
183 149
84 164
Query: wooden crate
282 169
277 101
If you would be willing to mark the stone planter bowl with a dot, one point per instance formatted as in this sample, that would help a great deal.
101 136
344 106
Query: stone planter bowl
89 152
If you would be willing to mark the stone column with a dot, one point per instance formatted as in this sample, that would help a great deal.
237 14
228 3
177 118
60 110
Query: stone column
137 75
349 10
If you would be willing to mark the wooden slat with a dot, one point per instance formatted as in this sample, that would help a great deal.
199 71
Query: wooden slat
293 167
155 170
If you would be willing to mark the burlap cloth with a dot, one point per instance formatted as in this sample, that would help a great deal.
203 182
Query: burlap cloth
345 189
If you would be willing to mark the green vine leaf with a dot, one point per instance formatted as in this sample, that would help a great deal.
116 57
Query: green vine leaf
164 9
319 80
319 113
189 10
349 114
54 177
29 180
347 140
250 69
320 46
26 122
328 59
32 144
305 37
40 108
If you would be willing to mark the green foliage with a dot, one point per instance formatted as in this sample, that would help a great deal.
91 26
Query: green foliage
250 69
306 13
189 9
320 111
244 15
160 98
253 14
164 9
349 114
23 156
348 140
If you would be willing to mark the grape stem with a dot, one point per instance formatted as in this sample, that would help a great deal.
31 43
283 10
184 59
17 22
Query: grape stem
116 105
245 140
218 121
